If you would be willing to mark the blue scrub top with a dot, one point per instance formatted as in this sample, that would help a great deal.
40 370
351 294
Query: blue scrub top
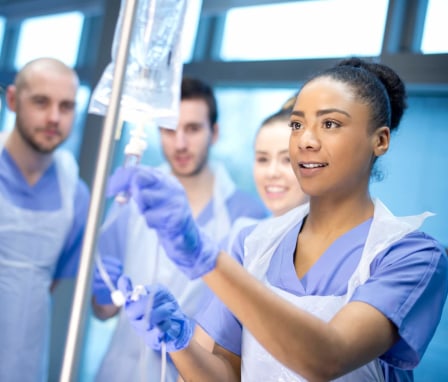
408 284
45 195
239 204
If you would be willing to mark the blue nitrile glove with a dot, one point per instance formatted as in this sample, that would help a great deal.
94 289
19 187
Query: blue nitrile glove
101 291
162 201
165 321
119 183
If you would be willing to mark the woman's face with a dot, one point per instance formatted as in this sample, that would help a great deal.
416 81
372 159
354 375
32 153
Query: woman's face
332 147
274 178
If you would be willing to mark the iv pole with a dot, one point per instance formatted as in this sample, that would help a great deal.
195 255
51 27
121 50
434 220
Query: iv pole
83 282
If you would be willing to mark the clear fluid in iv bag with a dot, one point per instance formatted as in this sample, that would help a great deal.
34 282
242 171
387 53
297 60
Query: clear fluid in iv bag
154 69
153 48
156 29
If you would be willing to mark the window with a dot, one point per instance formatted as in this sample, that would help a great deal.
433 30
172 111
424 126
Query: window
190 28
2 31
39 37
305 29
436 29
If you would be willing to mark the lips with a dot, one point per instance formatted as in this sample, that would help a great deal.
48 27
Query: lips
308 169
273 192
275 189
49 134
182 160
312 165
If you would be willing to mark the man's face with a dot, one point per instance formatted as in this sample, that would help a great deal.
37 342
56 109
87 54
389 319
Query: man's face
45 108
186 149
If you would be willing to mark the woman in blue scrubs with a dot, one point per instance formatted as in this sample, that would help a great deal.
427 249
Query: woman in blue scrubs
337 289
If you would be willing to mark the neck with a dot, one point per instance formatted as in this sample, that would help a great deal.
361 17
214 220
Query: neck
333 217
32 164
199 189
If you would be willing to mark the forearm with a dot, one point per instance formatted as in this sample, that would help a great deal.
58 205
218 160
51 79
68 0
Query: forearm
315 349
195 363
260 311
201 337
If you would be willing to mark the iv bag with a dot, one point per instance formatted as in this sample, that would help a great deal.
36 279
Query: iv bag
151 85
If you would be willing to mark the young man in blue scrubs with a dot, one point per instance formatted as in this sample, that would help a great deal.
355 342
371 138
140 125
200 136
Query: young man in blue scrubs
43 205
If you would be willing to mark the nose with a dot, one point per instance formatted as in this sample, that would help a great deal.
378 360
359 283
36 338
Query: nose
273 169
54 114
181 139
308 139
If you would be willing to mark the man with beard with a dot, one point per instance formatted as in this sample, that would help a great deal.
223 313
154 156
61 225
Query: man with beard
43 206
129 246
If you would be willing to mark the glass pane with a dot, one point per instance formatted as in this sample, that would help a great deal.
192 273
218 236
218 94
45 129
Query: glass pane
426 166
305 29
190 28
2 103
8 118
55 36
436 29
2 31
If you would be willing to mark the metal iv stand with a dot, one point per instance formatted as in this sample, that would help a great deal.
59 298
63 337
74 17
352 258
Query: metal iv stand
83 282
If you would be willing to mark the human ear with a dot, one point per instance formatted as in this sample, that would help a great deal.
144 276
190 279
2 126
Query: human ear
381 139
11 92
215 132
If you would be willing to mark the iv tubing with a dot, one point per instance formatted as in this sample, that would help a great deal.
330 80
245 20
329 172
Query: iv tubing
144 348
115 212
83 281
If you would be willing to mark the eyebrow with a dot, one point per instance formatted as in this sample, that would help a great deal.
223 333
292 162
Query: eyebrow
320 112
194 124
286 151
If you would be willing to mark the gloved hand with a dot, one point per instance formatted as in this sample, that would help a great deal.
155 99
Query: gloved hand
165 322
162 201
120 180
119 183
101 291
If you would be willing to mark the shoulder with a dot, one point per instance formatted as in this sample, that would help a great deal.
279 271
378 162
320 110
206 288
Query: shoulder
418 256
408 280
236 246
66 160
243 222
242 203
416 265
240 224
416 247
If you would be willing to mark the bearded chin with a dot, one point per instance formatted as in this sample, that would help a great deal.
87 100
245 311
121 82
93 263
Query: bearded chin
35 145
44 150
